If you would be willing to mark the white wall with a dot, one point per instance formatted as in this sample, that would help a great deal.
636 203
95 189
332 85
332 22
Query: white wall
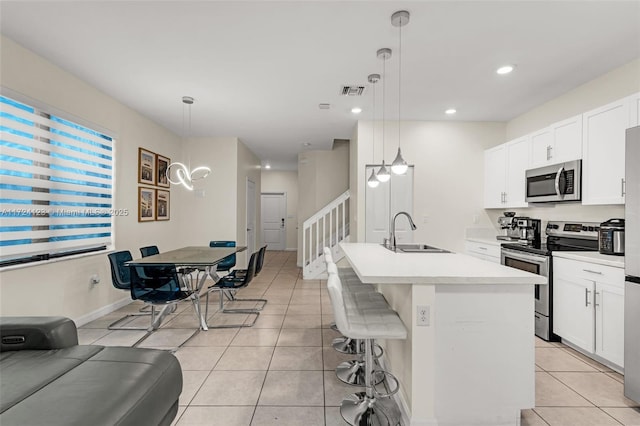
62 287
209 211
248 168
287 182
448 188
614 85
322 177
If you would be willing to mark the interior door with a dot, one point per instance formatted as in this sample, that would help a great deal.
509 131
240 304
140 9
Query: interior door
251 217
274 210
384 201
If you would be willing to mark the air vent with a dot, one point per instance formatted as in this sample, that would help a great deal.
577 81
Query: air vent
352 90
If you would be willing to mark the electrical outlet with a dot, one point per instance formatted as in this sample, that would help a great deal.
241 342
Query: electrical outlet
422 315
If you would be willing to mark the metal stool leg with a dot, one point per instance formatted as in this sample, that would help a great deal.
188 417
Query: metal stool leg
363 408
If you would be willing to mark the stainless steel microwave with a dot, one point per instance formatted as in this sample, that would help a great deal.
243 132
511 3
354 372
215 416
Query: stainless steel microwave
556 183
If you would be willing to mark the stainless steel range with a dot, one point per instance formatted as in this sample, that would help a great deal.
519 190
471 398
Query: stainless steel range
536 258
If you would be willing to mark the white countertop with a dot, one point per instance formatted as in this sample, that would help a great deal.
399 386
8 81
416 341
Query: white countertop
490 241
375 264
593 257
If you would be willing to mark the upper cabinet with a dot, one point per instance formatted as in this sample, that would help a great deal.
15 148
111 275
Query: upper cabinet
557 143
603 146
504 174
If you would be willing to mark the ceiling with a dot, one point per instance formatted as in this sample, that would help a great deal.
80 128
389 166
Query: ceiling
259 69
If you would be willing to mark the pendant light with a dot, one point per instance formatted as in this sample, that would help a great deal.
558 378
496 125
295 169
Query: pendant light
399 19
384 54
184 176
373 181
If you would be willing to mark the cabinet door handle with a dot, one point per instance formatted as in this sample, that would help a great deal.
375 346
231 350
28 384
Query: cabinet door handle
595 299
505 197
549 152
586 297
623 187
482 248
592 272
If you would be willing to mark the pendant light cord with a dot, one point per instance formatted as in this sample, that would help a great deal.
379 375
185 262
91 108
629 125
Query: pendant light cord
373 122
399 82
384 85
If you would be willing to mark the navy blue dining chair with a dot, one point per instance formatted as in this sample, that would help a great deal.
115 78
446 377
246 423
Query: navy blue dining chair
229 284
228 262
121 279
149 251
161 286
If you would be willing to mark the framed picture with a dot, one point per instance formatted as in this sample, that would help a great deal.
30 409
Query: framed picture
146 167
146 204
162 164
162 204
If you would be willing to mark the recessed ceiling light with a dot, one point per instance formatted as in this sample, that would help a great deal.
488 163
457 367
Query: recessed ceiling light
307 144
505 69
450 111
267 166
356 110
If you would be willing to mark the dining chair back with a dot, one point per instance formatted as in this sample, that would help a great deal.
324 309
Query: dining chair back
260 259
120 276
121 279
228 262
149 251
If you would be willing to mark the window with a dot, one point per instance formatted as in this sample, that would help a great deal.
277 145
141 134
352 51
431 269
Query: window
56 187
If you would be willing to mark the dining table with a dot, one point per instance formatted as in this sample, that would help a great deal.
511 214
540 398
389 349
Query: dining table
203 259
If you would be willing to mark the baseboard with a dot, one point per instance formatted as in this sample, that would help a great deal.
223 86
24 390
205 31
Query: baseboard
85 319
400 399
291 249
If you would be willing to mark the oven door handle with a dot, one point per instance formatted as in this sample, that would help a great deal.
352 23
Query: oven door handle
558 175
533 258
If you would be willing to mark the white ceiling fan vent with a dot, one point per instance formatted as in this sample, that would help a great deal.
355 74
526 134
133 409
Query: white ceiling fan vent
352 90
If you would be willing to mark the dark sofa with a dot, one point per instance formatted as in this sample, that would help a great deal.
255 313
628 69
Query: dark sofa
46 378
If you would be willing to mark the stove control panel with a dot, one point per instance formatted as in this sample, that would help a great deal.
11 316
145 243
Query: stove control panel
586 230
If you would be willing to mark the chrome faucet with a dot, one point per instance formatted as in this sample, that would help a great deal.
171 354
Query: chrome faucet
392 229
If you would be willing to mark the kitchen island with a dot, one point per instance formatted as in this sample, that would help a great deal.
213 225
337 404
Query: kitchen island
472 359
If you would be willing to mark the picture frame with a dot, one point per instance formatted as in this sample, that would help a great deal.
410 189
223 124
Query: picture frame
146 167
163 204
162 164
146 204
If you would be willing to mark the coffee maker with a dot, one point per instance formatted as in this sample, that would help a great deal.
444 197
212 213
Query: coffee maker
529 230
508 227
520 229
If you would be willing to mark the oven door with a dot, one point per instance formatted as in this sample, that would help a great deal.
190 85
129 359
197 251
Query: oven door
536 264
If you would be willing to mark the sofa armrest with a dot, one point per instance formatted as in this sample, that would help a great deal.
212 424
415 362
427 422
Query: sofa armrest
22 333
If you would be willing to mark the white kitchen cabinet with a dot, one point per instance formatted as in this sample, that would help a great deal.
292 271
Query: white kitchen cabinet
609 305
504 174
484 251
588 307
603 162
560 142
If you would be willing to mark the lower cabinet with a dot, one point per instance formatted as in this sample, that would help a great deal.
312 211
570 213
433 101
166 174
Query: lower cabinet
484 251
588 307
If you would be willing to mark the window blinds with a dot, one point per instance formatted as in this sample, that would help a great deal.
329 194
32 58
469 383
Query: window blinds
56 185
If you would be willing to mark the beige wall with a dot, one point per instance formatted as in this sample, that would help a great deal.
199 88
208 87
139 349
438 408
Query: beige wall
248 168
614 85
322 177
448 185
209 211
62 287
287 182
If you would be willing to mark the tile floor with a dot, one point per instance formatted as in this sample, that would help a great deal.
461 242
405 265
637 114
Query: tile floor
281 370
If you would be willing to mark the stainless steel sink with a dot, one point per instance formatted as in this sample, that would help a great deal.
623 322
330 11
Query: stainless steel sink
416 248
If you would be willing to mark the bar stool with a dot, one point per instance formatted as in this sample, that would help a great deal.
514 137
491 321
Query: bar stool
344 344
365 408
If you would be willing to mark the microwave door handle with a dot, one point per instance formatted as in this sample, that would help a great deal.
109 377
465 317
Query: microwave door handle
558 175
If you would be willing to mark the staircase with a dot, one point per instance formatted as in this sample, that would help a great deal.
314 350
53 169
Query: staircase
327 228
